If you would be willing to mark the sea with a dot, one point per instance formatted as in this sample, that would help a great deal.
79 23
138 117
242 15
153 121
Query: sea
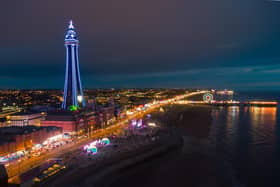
248 138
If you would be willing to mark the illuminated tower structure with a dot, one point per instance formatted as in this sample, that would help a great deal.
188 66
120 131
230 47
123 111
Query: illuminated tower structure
73 93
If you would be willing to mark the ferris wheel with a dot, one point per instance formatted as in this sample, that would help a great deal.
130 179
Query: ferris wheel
208 97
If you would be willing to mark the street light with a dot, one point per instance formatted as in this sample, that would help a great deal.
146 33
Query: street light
80 98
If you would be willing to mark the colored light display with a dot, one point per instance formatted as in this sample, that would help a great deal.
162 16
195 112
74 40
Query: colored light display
105 141
139 123
92 147
133 122
208 97
263 102
73 108
92 150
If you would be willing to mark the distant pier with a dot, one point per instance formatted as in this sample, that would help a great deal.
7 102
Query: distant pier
233 103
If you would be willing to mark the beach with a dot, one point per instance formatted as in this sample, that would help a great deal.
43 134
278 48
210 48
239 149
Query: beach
176 154
194 164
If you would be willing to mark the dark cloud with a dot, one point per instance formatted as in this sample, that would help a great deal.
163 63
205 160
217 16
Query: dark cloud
128 37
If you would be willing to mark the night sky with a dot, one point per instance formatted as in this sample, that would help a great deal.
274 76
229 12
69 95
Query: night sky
144 43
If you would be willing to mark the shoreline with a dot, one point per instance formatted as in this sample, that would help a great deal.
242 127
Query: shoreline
83 176
112 170
127 163
195 164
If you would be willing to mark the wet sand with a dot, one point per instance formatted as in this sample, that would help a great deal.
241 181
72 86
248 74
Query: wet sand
189 120
183 167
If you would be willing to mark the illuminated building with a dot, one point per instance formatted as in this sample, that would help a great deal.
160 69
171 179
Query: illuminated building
24 119
105 116
13 139
72 123
66 120
73 93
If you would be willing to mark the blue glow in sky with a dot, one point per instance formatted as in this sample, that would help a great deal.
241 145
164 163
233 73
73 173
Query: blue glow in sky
148 43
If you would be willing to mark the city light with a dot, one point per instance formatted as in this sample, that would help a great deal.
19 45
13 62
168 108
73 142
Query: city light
263 102
73 108
56 142
133 122
80 98
139 123
92 147
129 112
152 124
105 141
208 97
92 150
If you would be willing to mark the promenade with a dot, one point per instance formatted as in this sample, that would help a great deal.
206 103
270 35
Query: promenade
123 152
24 165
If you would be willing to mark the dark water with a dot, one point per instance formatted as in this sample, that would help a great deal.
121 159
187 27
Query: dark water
246 137
249 138
250 95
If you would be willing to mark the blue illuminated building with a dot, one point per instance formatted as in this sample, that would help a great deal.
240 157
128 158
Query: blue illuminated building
73 92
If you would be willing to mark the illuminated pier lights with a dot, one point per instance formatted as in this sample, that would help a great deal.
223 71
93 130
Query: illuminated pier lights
73 92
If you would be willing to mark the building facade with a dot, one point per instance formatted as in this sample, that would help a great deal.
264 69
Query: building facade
73 123
13 139
24 119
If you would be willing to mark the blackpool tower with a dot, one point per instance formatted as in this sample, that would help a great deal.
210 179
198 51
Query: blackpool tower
73 92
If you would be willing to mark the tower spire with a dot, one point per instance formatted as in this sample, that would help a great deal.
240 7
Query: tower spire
71 26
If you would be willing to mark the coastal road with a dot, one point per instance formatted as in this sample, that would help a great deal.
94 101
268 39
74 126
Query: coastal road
19 167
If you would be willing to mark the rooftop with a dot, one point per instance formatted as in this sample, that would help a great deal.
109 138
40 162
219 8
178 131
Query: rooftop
22 113
61 116
15 130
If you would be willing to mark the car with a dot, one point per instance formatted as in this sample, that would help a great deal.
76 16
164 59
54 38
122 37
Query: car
36 179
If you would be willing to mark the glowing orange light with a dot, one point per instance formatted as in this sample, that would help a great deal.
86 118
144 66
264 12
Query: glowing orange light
264 102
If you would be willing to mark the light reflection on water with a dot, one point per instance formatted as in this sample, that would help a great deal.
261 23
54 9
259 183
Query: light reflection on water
248 138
